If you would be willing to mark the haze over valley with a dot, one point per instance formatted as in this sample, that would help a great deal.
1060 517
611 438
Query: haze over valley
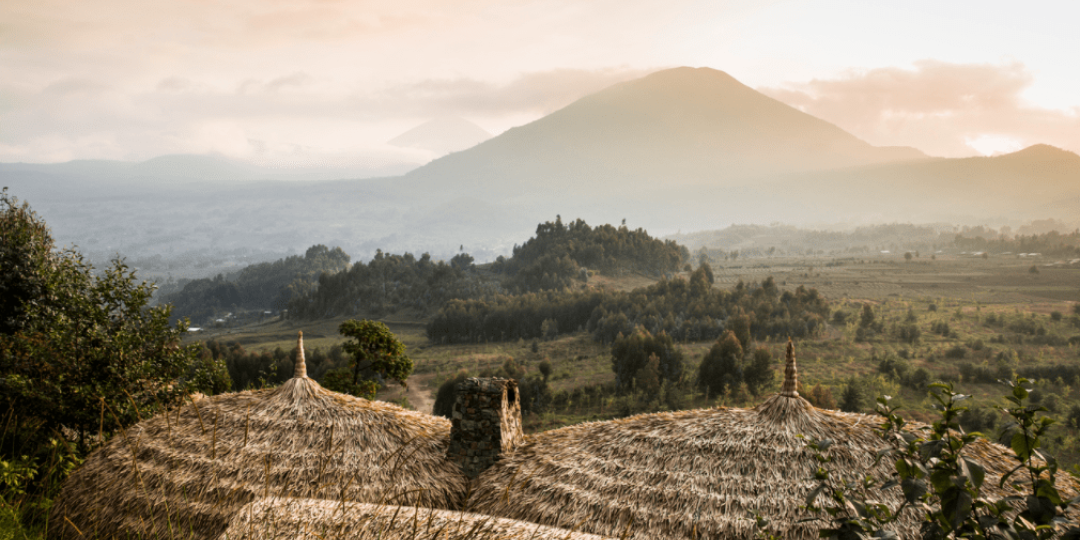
678 150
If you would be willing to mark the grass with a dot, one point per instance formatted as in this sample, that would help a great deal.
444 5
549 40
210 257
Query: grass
963 290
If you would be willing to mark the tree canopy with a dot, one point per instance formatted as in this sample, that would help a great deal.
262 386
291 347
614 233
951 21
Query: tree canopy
681 308
375 354
645 360
555 257
82 354
388 283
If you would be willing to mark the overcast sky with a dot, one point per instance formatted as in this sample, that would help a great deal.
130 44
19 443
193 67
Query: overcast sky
297 82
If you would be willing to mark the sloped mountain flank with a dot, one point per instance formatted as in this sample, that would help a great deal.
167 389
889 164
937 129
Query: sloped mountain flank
681 126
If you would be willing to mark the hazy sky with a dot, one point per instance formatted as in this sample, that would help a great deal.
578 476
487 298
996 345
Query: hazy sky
329 81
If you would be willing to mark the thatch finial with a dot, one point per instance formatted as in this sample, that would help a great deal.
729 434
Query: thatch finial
791 373
301 367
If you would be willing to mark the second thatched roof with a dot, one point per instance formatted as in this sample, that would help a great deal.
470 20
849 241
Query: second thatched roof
697 474
190 470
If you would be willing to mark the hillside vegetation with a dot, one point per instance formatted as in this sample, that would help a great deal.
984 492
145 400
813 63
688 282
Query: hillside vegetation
268 285
688 310
558 257
561 254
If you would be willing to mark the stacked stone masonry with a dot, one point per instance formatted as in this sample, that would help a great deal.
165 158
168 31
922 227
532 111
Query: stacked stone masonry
486 423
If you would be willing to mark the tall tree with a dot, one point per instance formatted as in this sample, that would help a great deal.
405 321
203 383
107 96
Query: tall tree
851 400
739 324
26 249
375 350
83 355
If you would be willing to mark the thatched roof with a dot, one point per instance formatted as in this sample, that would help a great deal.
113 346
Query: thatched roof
310 519
191 469
694 473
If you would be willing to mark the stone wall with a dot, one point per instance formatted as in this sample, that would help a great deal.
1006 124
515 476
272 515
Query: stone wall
486 423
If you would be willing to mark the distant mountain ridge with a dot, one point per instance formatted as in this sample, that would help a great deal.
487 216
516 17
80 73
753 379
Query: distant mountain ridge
689 149
177 168
442 135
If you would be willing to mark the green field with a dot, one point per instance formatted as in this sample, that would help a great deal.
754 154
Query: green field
962 292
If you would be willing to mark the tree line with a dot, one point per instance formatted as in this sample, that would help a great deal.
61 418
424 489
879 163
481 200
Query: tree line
1053 244
685 309
389 283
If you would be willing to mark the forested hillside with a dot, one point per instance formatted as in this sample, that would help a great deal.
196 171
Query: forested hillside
560 254
557 258
687 310
258 286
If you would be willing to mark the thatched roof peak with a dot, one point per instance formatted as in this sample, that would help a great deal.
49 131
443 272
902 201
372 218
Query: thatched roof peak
791 373
300 370
787 406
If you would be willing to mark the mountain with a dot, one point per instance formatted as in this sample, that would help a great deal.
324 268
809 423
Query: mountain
1024 183
170 171
442 136
689 149
1035 183
680 126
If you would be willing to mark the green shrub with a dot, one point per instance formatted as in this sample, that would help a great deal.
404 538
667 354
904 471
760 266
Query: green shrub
956 352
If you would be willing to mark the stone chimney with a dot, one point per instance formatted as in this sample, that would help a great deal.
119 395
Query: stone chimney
486 423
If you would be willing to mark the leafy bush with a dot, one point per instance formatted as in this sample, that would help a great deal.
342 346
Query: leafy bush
893 368
941 328
445 396
908 333
851 399
956 352
936 478
820 397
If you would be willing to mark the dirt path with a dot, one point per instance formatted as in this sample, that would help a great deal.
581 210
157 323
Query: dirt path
420 397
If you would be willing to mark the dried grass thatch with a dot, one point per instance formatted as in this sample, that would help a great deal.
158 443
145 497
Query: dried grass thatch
308 519
695 474
185 473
